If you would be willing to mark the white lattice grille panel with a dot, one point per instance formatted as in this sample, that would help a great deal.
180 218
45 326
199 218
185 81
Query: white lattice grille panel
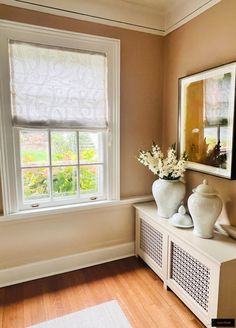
191 275
151 242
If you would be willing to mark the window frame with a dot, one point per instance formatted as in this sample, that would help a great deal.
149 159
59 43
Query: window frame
8 141
53 201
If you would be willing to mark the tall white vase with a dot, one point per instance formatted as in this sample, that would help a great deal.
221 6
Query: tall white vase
168 195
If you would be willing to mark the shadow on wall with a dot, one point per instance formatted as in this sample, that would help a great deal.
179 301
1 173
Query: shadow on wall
229 205
1 202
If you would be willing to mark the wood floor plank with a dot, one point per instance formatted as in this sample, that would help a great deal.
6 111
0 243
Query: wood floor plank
2 296
13 313
137 288
33 304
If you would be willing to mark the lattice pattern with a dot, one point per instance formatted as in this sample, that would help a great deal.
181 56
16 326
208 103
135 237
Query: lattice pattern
151 242
191 275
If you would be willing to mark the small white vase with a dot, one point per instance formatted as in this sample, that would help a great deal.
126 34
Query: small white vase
168 195
204 206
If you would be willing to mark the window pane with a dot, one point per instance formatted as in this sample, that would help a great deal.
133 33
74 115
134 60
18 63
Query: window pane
34 148
90 179
64 181
35 183
89 147
64 147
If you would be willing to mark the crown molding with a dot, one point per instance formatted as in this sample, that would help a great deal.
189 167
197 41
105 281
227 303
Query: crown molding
108 12
184 11
124 14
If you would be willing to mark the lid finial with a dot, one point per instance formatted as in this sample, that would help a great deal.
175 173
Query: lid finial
182 210
205 189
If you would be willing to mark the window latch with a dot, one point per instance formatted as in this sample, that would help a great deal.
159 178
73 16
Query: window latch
34 205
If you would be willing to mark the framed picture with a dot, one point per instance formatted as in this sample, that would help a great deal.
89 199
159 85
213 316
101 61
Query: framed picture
206 121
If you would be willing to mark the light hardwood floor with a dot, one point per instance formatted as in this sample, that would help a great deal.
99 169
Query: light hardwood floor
138 290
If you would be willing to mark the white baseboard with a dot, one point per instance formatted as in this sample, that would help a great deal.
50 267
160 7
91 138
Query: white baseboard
36 270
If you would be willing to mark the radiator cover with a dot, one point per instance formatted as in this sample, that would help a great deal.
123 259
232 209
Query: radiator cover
191 275
151 242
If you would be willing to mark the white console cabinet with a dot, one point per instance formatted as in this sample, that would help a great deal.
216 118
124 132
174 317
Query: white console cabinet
201 272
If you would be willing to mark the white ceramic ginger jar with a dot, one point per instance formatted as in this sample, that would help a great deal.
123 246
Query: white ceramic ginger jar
168 195
204 206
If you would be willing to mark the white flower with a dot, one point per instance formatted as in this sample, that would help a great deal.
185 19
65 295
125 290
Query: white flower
169 168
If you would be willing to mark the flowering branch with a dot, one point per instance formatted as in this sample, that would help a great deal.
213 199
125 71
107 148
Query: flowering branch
169 167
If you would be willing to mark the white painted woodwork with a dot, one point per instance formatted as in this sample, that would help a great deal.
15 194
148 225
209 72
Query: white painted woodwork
182 11
151 16
57 265
41 246
215 256
71 40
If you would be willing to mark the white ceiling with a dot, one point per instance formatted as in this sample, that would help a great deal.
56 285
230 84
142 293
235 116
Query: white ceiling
162 6
151 16
159 5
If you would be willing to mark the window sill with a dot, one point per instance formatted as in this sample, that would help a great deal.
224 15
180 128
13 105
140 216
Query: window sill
43 212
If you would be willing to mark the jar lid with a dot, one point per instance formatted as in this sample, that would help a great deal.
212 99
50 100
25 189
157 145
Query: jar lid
205 189
181 219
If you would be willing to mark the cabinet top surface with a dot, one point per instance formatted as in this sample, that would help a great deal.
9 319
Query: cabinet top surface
220 248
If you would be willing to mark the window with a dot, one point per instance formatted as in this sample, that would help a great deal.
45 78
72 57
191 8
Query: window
60 118
60 166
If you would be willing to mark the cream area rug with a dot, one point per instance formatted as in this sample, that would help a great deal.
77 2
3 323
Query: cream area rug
105 315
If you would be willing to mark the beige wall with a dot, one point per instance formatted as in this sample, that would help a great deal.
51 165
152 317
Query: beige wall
206 41
40 239
52 236
141 88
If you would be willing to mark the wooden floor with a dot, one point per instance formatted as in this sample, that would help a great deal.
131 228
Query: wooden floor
138 290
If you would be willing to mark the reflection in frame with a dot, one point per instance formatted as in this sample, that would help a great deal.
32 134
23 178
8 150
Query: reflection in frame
206 120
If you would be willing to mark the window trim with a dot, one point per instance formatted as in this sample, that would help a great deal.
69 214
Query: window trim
60 201
74 40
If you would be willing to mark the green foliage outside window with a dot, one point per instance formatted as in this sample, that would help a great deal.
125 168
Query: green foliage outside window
64 182
35 183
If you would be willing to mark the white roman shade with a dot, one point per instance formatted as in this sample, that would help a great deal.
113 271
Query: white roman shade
217 99
57 87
